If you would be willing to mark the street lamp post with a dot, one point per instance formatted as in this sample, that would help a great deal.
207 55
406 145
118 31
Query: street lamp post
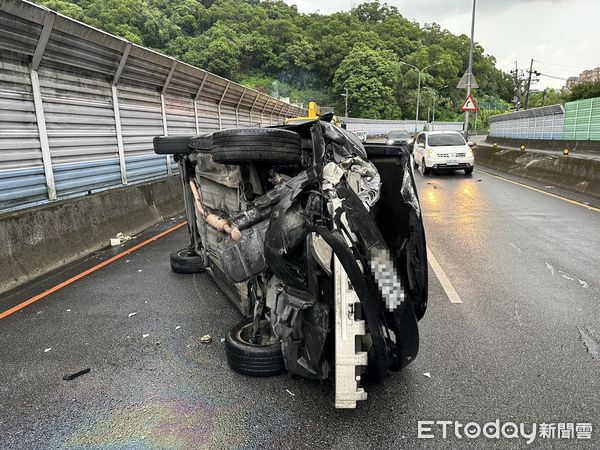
419 71
436 95
470 70
345 95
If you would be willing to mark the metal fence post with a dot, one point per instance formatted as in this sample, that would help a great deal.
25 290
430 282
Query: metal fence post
117 114
219 104
237 107
262 111
271 113
252 107
163 111
576 116
590 118
196 101
39 106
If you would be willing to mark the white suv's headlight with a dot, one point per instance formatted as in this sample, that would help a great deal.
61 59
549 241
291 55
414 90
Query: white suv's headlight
432 154
390 142
469 153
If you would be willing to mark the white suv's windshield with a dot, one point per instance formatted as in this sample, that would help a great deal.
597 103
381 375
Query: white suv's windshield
441 140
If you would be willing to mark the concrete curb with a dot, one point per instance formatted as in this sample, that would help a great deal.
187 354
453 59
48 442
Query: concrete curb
36 241
581 175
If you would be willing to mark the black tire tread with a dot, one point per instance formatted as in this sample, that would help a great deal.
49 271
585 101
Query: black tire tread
239 145
255 361
171 145
186 264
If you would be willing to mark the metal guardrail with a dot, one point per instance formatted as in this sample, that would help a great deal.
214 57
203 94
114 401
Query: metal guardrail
80 107
376 127
537 123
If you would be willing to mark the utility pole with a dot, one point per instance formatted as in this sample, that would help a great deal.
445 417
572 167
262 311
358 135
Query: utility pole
346 101
518 81
531 71
470 70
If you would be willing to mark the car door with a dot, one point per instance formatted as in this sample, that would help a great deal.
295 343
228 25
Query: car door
418 150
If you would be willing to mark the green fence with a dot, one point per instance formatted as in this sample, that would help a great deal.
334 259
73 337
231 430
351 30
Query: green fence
582 120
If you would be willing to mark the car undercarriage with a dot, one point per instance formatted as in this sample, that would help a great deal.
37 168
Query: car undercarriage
319 242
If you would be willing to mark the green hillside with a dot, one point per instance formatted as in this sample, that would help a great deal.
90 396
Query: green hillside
270 46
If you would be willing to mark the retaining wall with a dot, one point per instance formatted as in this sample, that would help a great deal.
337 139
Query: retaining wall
38 240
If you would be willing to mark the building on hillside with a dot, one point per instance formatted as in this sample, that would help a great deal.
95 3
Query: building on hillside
584 77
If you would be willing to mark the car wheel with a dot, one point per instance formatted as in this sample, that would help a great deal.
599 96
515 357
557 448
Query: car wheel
415 165
201 143
239 145
172 145
252 359
424 168
186 260
468 171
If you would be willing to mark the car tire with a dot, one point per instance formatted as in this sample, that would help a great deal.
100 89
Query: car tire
186 261
251 359
240 145
171 145
424 168
201 143
468 171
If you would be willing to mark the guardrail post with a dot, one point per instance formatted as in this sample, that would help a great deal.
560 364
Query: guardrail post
576 116
252 107
117 114
196 101
219 104
39 106
237 115
262 111
271 113
163 111
590 118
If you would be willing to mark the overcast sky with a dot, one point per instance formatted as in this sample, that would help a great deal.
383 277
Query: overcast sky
563 35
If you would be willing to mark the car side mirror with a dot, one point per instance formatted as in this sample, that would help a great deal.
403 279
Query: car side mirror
421 145
471 144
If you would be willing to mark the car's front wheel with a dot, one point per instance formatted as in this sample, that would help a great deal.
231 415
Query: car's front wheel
258 357
186 260
424 169
469 170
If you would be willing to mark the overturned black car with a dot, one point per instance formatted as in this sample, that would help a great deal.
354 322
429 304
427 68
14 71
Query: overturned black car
319 242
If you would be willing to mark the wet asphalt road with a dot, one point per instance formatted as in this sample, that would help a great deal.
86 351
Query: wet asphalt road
523 346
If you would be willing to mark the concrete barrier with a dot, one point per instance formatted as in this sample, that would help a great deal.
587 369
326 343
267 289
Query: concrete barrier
581 175
35 241
547 144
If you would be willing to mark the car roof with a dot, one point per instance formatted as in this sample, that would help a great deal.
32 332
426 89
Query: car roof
443 132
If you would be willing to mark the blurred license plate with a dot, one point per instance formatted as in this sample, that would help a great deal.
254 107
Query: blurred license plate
452 162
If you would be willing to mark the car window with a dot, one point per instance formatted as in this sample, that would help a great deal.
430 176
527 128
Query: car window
450 139
399 134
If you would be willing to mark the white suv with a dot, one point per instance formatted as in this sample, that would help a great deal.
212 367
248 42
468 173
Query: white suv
443 150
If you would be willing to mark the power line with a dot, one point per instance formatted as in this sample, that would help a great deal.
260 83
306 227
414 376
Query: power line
552 76
558 65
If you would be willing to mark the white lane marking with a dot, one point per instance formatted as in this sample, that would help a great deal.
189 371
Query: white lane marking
444 281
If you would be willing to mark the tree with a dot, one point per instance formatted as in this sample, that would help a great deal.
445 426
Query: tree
307 56
585 90
371 77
